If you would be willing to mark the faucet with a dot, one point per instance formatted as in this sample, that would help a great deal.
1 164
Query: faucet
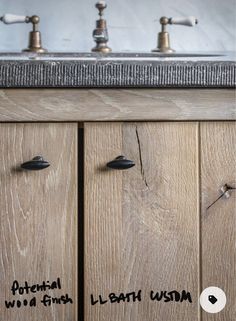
35 43
100 34
163 36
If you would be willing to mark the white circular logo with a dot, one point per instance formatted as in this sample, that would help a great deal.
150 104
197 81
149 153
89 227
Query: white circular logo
213 299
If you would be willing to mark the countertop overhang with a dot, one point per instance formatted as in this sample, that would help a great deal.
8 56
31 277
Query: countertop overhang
118 70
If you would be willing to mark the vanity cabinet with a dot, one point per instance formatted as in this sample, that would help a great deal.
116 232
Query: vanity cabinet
157 226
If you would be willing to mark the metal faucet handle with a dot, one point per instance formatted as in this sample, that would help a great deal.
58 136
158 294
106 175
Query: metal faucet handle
184 21
11 18
101 6
35 43
163 36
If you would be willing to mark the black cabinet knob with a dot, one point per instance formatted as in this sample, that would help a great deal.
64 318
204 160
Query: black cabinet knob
36 164
121 162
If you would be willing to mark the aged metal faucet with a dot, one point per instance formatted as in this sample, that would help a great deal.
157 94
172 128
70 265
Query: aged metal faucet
163 36
35 43
100 34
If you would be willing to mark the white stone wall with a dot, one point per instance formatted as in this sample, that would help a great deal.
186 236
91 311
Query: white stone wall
67 25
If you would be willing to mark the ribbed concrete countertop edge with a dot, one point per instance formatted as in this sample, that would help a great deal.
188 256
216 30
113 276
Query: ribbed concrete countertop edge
74 70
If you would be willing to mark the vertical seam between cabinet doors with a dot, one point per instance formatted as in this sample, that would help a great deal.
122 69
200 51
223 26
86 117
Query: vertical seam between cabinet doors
80 222
83 220
199 219
85 312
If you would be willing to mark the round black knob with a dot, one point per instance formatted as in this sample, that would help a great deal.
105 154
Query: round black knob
36 164
121 162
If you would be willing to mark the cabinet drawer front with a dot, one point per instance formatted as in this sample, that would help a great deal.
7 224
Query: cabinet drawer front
141 224
38 220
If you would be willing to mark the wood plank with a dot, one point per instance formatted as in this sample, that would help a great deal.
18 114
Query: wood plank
22 105
218 141
142 225
38 218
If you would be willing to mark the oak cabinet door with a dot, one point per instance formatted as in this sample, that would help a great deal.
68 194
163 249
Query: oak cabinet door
218 214
142 224
38 222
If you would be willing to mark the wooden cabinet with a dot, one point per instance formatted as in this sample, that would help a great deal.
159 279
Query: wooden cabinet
38 220
158 232
148 228
218 223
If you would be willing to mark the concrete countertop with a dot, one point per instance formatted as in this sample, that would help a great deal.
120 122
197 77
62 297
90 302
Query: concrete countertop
212 70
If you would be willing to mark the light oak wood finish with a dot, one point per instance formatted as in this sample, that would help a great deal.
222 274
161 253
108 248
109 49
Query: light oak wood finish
38 218
142 225
22 105
218 167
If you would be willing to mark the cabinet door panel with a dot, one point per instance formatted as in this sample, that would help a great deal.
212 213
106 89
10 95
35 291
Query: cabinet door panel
38 218
218 220
142 224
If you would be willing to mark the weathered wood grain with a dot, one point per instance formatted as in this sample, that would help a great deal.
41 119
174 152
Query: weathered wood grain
218 223
38 218
18 105
142 225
